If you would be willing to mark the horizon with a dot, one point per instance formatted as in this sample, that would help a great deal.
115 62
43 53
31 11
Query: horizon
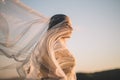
77 73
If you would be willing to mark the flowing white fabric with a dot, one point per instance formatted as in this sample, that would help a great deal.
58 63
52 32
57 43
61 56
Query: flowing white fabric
17 23
40 53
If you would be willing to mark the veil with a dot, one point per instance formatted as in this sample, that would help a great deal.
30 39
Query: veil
24 37
20 30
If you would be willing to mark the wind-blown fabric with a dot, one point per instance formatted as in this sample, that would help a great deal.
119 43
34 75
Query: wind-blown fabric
40 54
17 23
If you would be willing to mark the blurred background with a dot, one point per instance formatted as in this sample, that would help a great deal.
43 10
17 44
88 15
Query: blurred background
95 42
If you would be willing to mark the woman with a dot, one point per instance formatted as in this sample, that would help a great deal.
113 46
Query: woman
51 60
34 44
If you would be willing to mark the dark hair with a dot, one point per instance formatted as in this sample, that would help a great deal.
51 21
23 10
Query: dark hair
56 19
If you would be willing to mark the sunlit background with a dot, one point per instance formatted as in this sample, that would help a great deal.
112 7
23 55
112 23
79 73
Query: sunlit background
95 41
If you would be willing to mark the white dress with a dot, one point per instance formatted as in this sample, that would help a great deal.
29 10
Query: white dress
38 54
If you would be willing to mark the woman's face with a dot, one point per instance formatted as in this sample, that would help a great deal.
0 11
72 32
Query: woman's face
63 24
66 28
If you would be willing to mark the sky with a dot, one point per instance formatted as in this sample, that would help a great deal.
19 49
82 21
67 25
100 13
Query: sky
95 41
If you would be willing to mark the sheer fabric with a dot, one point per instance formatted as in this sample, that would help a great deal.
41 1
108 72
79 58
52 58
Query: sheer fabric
38 52
17 23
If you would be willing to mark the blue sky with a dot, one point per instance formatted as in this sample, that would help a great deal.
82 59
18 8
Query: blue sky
95 41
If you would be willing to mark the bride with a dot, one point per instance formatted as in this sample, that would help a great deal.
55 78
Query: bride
36 43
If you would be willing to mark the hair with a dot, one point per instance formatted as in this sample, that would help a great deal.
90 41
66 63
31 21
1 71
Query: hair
56 19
